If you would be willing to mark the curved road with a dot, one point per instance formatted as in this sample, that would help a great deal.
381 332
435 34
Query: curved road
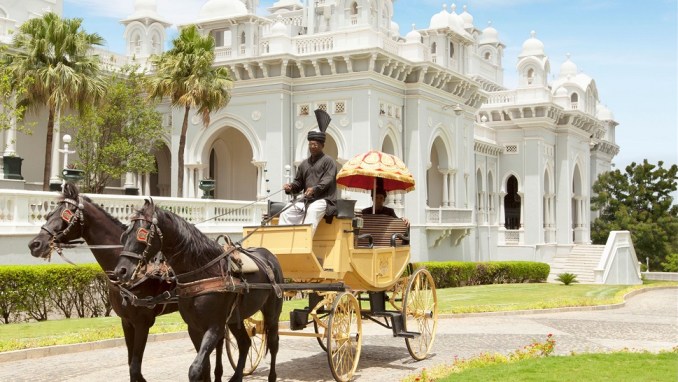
647 320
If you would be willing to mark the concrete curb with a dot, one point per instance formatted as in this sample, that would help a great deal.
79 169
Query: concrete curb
46 351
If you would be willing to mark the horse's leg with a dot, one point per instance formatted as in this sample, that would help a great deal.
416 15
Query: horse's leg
244 342
219 367
134 352
271 317
200 368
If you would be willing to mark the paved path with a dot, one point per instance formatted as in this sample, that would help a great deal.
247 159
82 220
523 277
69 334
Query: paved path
648 321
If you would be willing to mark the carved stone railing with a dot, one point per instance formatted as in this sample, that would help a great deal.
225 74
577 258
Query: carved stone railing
449 216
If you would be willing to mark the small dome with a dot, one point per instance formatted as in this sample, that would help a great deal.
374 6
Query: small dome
568 68
561 92
603 113
440 19
455 21
395 28
489 35
413 36
146 5
215 9
279 28
532 46
467 18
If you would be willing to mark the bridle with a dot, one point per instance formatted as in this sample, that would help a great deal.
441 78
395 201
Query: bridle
70 217
144 235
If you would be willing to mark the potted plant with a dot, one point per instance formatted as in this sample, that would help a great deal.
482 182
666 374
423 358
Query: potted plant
72 174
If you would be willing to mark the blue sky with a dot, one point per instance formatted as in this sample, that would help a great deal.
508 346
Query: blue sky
628 47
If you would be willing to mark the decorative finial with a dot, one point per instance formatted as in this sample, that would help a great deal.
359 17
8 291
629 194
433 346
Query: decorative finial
453 8
533 34
567 55
413 26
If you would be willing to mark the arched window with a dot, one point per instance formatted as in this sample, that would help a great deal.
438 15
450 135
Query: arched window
451 50
135 44
433 48
530 76
354 8
3 14
487 56
512 204
242 38
574 97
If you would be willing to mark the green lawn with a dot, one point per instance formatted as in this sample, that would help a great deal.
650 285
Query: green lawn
484 298
618 367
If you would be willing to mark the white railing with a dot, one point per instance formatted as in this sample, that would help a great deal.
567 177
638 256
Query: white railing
511 236
484 133
109 59
26 211
390 45
309 45
223 53
507 97
447 215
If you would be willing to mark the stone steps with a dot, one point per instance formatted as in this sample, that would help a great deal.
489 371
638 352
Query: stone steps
581 261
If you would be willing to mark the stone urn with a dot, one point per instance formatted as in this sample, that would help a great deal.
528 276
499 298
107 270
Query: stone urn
207 187
73 175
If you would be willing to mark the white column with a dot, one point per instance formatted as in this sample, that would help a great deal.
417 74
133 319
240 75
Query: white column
56 143
446 189
129 180
452 188
262 189
522 208
502 219
147 184
10 135
466 175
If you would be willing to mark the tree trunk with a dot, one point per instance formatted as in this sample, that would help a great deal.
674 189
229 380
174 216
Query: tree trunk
182 147
48 151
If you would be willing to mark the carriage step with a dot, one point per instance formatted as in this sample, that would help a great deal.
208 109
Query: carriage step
406 334
397 324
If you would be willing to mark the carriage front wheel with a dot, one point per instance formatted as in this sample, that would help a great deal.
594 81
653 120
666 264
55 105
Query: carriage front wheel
344 337
420 310
255 329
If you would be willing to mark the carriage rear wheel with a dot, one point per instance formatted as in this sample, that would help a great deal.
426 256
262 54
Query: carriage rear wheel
255 329
344 337
420 310
321 329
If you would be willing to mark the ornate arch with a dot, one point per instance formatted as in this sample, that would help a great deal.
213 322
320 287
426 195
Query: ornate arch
506 178
333 131
199 149
439 132
392 134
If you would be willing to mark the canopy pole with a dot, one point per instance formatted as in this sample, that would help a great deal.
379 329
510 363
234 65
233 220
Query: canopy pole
374 196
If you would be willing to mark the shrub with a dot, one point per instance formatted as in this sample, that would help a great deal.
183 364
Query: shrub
567 278
462 273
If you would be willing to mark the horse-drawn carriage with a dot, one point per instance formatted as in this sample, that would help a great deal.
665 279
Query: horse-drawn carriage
354 268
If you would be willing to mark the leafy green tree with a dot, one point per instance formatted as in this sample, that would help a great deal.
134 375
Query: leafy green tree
56 54
639 201
117 136
187 76
11 89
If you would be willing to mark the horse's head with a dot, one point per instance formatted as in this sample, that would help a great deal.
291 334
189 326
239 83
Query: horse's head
63 224
141 242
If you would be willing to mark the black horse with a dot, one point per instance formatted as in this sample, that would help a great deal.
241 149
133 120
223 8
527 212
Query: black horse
212 290
76 216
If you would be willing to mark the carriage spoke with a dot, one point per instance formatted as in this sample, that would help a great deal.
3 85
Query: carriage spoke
420 310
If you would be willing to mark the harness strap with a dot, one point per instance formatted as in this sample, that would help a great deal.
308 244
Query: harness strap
214 261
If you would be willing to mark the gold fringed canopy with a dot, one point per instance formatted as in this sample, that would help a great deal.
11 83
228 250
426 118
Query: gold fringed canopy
362 171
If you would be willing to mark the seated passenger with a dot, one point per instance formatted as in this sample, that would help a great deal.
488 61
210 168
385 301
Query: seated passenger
380 208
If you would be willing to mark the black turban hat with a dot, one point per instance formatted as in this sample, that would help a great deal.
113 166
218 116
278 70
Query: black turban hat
323 121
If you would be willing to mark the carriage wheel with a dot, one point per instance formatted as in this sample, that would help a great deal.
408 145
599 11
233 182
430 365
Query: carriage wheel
255 328
344 338
320 329
420 310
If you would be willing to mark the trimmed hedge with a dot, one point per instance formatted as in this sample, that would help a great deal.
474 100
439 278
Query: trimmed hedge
36 292
462 273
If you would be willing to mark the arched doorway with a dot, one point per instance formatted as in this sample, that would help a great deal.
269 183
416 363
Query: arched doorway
439 190
160 180
230 165
512 204
577 206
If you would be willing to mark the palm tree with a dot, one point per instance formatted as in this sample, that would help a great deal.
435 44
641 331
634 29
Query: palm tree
55 53
185 74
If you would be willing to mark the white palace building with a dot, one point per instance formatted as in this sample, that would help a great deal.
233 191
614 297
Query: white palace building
501 174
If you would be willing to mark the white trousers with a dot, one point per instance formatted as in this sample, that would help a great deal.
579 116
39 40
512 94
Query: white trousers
295 214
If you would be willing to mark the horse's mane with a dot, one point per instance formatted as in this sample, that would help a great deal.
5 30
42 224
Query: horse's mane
71 192
194 246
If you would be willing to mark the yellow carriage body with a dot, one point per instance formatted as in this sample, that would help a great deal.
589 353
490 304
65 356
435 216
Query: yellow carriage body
332 255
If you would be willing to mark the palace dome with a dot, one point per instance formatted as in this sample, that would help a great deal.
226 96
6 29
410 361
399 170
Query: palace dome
413 36
467 18
215 9
489 35
568 68
532 46
440 19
